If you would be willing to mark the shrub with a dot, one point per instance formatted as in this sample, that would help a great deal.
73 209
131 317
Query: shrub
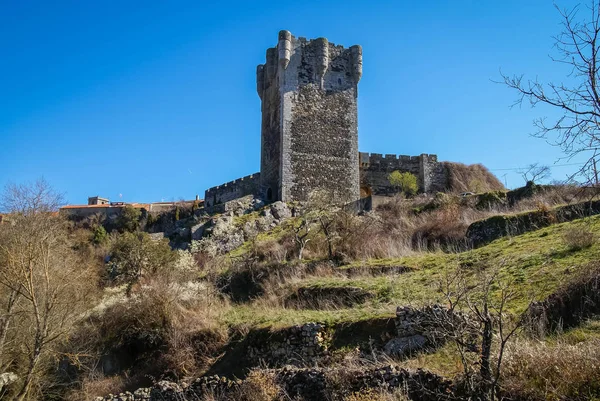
490 200
99 235
129 219
135 254
92 387
471 178
404 182
578 238
180 320
443 227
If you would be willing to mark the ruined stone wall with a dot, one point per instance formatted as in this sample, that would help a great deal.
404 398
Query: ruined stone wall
248 185
296 345
375 169
310 133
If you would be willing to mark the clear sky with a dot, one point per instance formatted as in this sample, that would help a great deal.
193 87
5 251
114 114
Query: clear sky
157 100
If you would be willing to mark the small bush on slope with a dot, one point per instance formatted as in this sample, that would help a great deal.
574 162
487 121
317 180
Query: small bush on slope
578 238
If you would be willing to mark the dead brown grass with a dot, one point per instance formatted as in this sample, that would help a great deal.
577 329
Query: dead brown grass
578 238
471 178
92 387
378 395
258 386
560 371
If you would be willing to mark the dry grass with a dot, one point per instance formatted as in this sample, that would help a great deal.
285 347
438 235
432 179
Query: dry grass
258 386
471 178
578 238
541 371
100 385
378 395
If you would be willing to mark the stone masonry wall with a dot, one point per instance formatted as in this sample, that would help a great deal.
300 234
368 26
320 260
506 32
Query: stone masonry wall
270 143
294 345
309 130
375 169
248 185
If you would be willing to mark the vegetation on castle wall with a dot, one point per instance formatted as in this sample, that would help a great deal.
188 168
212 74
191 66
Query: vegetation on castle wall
471 178
404 182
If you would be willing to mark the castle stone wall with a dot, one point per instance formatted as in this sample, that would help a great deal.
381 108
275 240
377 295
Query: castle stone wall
249 185
375 169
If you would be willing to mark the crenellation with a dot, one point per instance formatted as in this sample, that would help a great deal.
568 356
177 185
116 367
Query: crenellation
248 185
375 158
285 48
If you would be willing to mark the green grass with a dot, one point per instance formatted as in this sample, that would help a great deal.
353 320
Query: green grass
536 263
590 330
258 317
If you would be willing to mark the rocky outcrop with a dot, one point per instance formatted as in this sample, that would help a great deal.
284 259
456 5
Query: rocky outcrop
244 219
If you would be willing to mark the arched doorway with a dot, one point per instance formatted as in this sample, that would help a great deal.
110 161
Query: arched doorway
365 191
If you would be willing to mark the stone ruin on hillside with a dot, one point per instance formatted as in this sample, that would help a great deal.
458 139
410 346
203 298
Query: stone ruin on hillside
309 136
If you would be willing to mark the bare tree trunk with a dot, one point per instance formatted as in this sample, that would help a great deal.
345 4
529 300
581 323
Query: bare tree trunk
486 350
5 322
325 228
35 358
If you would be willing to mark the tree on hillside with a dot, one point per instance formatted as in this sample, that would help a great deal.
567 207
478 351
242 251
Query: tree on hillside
576 130
483 337
43 284
31 198
403 182
534 172
135 255
129 219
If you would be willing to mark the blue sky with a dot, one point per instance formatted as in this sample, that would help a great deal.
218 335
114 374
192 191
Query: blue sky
157 100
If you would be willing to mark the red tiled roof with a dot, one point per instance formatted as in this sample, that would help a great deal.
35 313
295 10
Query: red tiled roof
135 205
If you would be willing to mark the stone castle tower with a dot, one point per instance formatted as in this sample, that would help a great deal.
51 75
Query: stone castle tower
309 136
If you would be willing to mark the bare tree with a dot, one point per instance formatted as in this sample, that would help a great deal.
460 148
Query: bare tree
576 131
321 205
487 324
301 235
30 198
42 280
535 172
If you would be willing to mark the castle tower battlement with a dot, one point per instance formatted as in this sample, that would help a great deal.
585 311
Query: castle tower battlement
309 135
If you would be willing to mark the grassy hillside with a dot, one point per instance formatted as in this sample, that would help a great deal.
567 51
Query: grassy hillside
318 290
537 263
